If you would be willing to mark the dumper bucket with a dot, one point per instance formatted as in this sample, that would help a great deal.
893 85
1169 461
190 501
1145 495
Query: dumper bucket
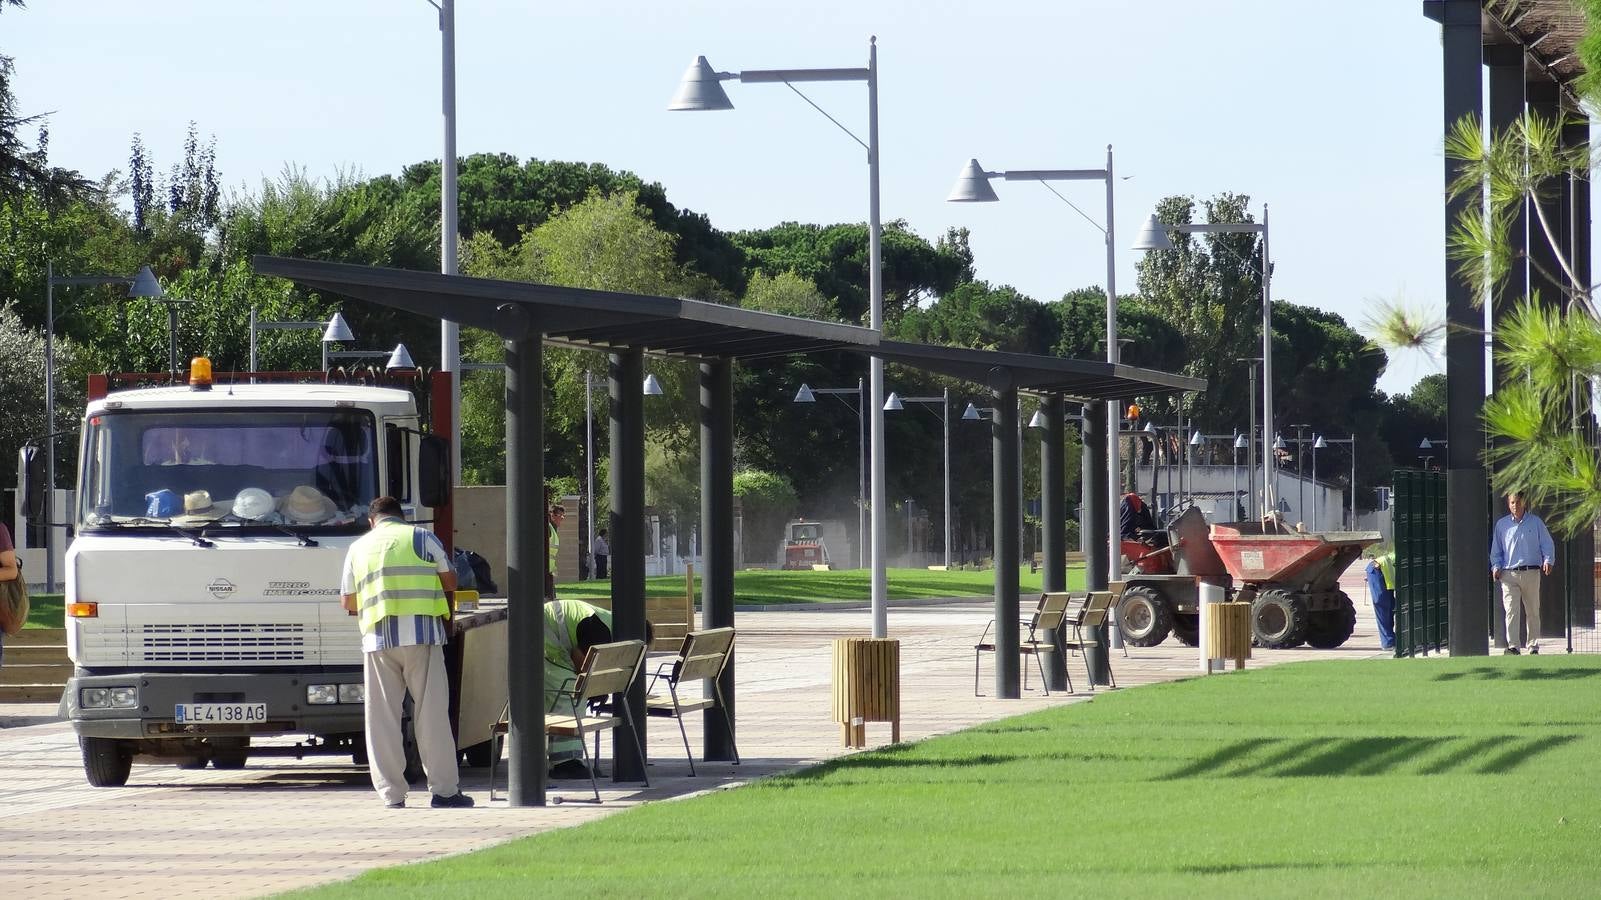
1273 554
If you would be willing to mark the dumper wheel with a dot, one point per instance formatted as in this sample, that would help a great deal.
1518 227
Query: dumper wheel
106 761
478 756
1330 628
1187 629
1279 619
1143 616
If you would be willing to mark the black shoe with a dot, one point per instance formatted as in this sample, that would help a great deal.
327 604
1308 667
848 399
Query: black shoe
398 804
569 769
1534 649
457 800
1513 651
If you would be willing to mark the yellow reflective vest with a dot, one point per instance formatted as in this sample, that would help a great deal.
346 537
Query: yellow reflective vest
392 578
1386 563
552 547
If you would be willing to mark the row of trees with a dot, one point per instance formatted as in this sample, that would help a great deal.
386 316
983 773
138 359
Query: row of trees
586 225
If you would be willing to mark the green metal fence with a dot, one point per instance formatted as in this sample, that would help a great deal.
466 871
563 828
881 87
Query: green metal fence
1421 596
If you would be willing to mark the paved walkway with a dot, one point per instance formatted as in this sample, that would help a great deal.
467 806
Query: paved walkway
283 823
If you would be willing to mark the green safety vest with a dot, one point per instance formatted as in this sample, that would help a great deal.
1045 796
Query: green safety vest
552 548
391 578
1386 563
561 630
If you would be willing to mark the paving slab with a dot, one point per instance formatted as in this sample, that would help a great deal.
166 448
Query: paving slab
282 823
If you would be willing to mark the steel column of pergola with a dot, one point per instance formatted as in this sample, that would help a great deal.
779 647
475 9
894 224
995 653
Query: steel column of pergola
717 530
1004 446
1467 485
625 372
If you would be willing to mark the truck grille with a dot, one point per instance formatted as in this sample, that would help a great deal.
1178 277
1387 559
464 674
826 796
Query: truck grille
242 642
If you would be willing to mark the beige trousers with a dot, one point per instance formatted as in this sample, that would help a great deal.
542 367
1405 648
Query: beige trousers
389 675
1520 593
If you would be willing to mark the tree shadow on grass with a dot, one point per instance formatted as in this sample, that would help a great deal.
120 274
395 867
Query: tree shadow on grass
1519 673
1369 756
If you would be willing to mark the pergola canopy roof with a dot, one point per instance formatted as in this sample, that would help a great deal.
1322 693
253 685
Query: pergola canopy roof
1082 378
602 320
610 320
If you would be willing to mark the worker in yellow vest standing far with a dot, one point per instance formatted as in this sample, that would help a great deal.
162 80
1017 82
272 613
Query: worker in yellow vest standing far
395 578
553 547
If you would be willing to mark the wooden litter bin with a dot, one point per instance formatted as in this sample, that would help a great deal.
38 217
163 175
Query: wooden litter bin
867 687
1228 631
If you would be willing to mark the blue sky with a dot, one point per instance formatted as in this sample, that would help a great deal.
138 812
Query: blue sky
1330 114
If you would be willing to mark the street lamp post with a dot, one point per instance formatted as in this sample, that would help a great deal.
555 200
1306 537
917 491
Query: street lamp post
973 185
700 90
140 286
1153 236
895 403
1317 444
333 331
1351 525
1240 443
449 331
807 394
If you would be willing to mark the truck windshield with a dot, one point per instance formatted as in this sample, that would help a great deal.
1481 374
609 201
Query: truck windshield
253 467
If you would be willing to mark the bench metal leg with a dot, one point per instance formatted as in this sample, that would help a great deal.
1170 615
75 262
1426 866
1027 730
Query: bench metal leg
672 691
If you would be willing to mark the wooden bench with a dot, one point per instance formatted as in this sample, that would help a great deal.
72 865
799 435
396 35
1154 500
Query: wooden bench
1074 558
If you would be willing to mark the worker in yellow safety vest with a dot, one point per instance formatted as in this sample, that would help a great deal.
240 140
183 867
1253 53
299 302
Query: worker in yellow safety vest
394 581
1381 586
553 547
571 628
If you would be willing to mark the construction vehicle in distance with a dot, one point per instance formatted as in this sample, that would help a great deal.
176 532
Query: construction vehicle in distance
1290 578
804 548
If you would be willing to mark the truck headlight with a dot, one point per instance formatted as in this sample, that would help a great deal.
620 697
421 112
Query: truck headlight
108 698
322 694
352 693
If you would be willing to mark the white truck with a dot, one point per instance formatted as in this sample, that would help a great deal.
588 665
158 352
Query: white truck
202 587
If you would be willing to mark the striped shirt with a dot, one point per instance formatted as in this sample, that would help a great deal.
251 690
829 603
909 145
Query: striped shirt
405 631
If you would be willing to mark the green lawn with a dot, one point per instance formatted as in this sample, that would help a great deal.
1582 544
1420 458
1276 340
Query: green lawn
1447 777
773 586
45 611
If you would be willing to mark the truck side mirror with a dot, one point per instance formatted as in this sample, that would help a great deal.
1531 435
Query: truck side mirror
433 471
398 481
31 481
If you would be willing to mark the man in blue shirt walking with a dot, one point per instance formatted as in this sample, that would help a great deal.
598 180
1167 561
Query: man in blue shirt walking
1520 552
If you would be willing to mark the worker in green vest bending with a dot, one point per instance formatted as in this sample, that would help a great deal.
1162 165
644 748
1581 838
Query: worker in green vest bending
571 628
394 580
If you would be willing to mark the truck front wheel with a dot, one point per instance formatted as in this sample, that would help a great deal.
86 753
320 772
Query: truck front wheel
1331 628
1143 616
106 761
229 753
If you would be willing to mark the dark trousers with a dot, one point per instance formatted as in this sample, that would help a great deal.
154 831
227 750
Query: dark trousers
600 565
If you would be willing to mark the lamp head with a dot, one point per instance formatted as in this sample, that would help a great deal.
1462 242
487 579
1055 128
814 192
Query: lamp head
970 414
699 89
972 186
1320 444
1150 427
1240 443
1038 420
805 395
1425 445
337 330
1195 438
894 404
652 387
400 359
1278 442
1152 236
145 285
